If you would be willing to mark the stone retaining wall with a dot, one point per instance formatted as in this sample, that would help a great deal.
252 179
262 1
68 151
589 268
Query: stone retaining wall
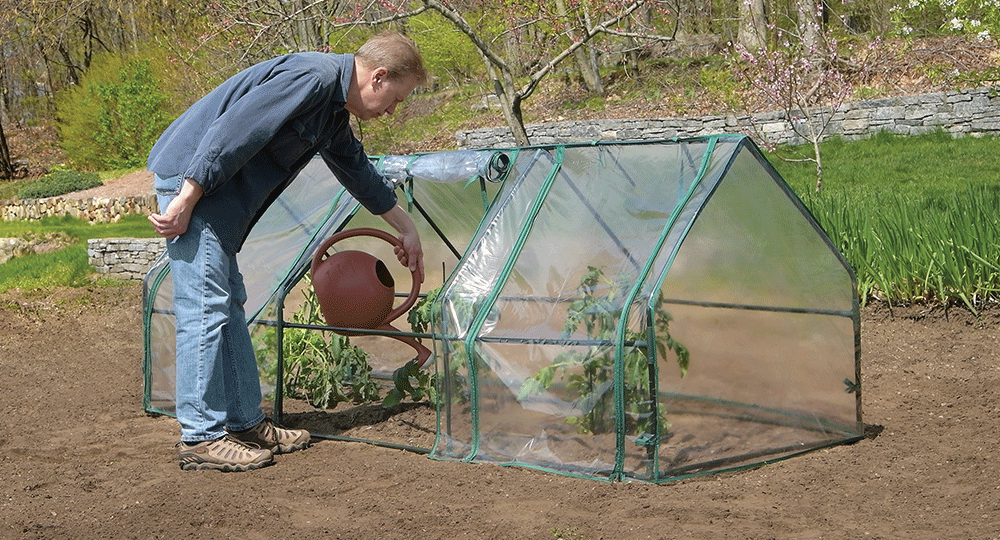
19 247
124 258
974 111
96 210
13 247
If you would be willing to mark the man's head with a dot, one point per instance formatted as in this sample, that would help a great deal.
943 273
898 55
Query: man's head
386 70
395 52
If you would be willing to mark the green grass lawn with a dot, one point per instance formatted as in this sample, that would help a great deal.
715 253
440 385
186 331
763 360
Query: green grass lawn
66 267
916 217
932 164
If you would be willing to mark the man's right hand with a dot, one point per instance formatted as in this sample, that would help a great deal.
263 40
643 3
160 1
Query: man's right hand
174 220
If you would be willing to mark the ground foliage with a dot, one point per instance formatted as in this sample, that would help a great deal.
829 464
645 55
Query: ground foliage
59 182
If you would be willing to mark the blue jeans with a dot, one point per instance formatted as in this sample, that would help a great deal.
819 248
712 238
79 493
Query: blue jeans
217 383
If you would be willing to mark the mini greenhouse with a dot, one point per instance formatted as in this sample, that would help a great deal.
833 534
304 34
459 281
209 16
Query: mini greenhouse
645 310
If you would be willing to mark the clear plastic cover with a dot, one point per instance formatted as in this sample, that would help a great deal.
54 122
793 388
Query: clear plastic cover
572 358
281 246
447 167
275 252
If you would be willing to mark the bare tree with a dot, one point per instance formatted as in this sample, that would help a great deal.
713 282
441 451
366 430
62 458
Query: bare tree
258 29
584 57
503 71
49 44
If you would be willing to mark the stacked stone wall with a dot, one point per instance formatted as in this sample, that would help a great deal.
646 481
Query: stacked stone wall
124 258
95 210
974 111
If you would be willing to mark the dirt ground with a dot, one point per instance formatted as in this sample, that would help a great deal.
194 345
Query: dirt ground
80 458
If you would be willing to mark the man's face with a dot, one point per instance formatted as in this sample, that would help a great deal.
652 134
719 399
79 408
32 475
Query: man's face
380 94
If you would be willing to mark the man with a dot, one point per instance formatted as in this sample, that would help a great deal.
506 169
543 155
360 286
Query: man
216 170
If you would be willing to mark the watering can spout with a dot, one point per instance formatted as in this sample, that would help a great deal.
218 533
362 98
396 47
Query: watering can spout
355 289
423 353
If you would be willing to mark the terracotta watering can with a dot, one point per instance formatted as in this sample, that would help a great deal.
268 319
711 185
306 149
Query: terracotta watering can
356 290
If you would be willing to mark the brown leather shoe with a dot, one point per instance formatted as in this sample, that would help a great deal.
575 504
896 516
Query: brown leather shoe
267 434
225 454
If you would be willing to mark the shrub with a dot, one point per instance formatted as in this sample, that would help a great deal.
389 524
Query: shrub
113 117
447 52
59 183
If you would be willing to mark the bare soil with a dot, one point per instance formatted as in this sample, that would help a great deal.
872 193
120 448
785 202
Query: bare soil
81 459
133 184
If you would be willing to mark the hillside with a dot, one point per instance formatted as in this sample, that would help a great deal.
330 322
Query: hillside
665 87
675 87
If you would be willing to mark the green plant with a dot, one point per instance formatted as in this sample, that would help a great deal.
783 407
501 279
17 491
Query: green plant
410 380
934 17
914 216
589 374
113 117
446 51
59 182
415 382
328 371
569 534
403 380
424 311
322 371
918 247
718 83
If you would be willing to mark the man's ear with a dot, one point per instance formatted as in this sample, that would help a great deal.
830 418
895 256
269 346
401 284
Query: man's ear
380 74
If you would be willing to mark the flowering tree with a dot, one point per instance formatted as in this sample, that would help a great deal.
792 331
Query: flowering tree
980 18
797 73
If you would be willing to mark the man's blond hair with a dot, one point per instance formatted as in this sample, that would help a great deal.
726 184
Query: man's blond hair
396 53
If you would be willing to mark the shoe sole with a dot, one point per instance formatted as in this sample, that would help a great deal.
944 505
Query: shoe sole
288 448
224 467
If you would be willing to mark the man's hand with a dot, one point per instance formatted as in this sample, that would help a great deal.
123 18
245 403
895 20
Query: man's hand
174 220
411 254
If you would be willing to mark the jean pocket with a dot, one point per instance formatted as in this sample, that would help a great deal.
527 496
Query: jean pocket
168 186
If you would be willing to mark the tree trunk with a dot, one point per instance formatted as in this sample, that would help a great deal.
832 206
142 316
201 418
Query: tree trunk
819 165
591 70
810 14
695 16
511 105
6 167
510 102
583 57
752 32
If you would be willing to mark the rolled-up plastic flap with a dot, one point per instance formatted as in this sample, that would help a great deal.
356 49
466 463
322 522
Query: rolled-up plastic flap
447 167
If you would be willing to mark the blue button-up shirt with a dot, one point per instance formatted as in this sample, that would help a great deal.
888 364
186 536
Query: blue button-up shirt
246 140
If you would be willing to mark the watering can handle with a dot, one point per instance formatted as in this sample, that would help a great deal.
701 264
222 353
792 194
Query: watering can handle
378 233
